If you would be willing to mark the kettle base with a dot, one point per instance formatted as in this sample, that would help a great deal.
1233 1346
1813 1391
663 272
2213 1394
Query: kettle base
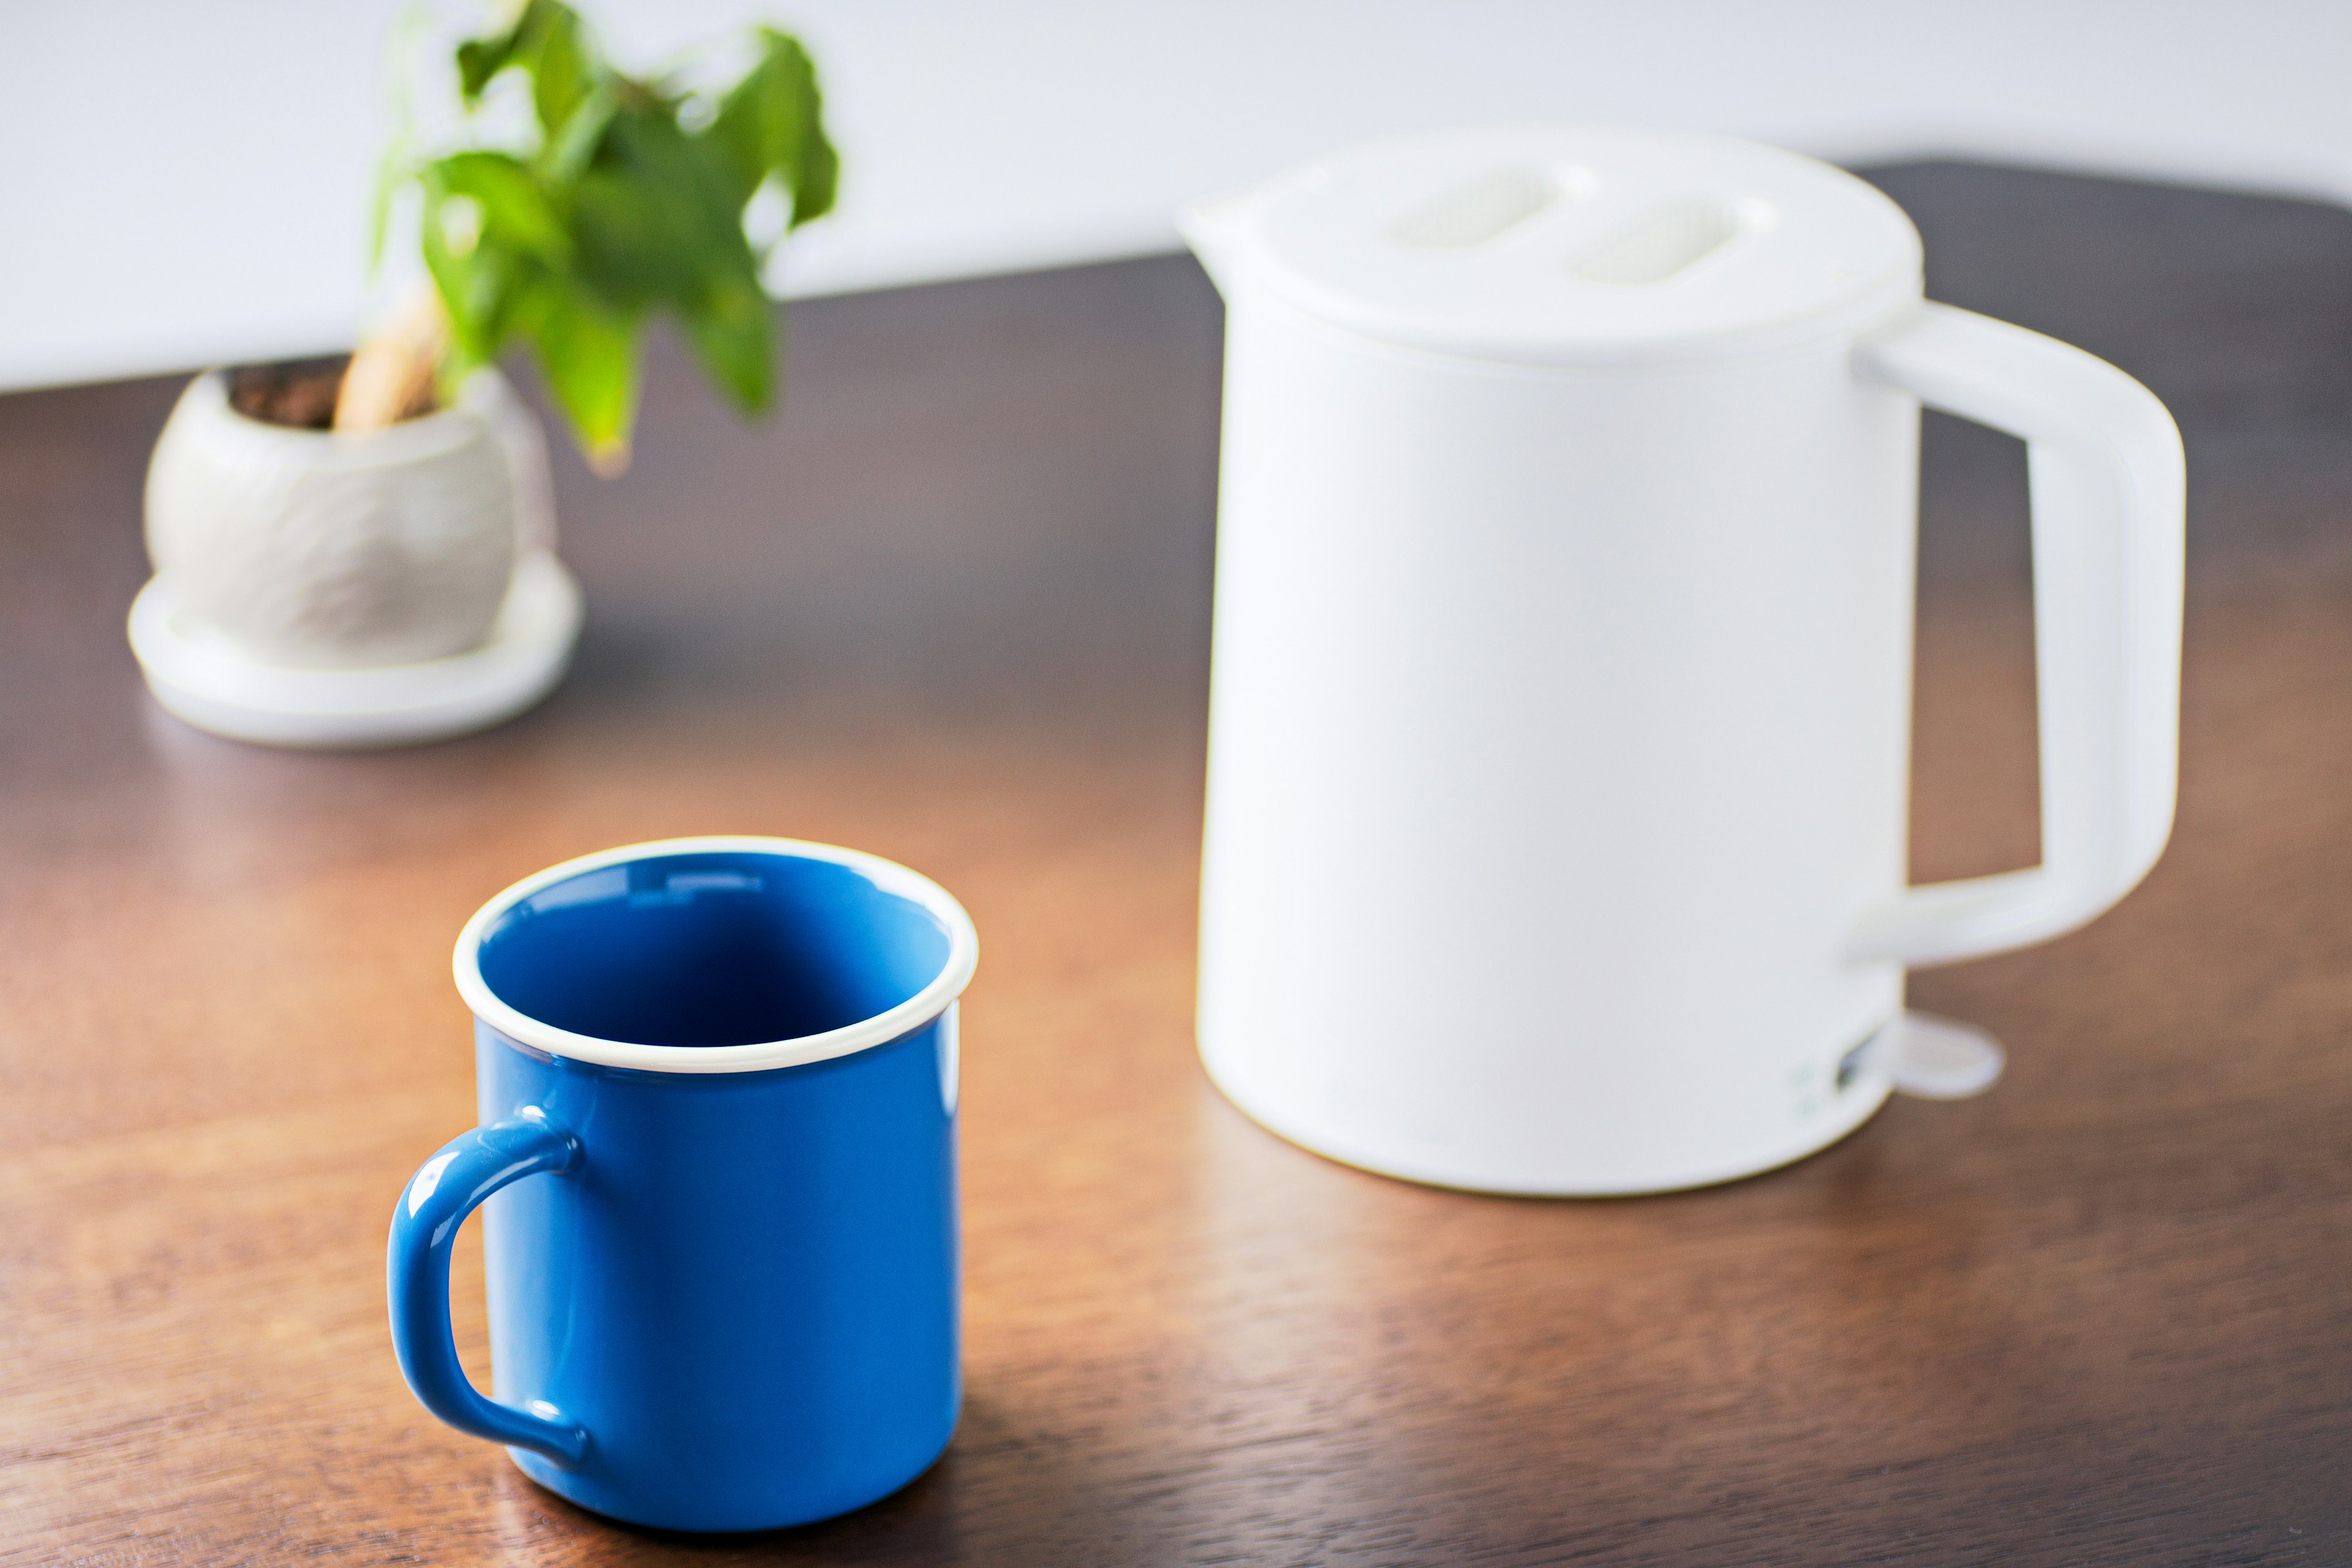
1447 1168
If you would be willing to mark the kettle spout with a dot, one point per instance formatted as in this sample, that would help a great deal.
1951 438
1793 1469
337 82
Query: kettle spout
1213 229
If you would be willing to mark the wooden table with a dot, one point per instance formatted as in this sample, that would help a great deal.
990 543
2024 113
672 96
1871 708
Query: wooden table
952 608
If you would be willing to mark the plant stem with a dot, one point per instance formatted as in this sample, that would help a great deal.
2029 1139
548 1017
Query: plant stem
393 373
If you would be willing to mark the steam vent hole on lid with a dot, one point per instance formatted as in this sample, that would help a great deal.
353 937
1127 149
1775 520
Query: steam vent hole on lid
1487 206
1661 244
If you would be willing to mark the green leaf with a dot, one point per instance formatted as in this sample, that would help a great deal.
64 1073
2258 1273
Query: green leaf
820 180
587 352
772 125
479 59
572 148
517 212
627 251
456 273
563 68
549 42
729 332
654 220
478 289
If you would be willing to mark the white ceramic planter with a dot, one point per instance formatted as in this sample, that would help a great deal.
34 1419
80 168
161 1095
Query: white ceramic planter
314 550
315 588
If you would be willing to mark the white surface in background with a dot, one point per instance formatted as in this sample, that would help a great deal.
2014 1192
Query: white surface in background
185 184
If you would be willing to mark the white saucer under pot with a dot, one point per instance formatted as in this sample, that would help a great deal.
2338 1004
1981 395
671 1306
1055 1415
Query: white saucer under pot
203 679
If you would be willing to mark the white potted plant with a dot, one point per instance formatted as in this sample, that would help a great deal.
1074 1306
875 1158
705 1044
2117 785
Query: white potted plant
362 552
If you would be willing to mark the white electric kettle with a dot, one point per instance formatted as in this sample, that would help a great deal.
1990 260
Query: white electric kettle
1560 707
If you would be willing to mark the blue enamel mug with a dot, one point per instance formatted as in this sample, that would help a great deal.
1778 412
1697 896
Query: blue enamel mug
717 1171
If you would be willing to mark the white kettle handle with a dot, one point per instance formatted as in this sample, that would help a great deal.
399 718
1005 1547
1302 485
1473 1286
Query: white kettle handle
2108 494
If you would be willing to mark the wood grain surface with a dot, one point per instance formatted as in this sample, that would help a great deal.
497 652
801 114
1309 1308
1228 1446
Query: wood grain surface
952 607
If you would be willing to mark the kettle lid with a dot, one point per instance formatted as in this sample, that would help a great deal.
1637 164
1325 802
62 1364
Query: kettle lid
1566 245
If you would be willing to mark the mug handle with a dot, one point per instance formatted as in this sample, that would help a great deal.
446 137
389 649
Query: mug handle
2108 496
424 1223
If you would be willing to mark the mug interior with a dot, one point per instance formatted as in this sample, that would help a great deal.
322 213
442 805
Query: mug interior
711 948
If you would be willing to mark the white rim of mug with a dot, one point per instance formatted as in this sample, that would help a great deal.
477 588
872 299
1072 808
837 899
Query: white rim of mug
933 999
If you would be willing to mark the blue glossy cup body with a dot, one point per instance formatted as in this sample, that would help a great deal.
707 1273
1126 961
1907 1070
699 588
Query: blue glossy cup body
717 1171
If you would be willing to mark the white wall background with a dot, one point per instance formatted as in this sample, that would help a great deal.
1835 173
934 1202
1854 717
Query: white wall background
182 184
